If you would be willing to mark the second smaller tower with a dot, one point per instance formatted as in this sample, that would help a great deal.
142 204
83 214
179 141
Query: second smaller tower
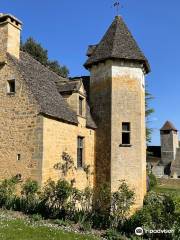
169 143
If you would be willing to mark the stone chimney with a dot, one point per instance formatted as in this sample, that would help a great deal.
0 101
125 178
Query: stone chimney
10 29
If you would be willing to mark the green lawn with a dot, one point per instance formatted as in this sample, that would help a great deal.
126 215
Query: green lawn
167 189
16 229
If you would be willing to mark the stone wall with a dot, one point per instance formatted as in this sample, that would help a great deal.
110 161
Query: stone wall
9 39
40 141
100 102
128 105
117 96
60 137
73 101
20 129
175 165
169 144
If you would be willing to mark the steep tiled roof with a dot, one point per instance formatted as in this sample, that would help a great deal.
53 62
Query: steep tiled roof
91 49
41 82
117 43
168 126
44 85
70 86
89 120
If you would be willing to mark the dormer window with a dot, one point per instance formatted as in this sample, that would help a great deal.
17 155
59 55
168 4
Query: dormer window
81 100
11 86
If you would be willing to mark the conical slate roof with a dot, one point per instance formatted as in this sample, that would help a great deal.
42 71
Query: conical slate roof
117 43
168 126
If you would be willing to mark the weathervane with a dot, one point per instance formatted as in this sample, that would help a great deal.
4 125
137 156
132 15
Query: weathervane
117 5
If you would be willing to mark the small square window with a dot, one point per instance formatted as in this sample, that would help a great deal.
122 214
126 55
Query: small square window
11 88
126 134
18 157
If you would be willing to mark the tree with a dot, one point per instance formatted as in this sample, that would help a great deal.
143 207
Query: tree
36 50
60 70
149 111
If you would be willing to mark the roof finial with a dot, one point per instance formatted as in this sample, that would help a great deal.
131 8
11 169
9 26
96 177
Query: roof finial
117 5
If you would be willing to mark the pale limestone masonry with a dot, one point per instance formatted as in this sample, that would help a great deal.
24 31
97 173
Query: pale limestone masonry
39 140
21 129
168 163
128 105
73 100
10 29
64 139
31 143
175 166
169 144
117 96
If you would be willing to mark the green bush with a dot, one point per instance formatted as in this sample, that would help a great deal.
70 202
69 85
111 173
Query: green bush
101 208
60 222
135 238
8 193
72 205
86 200
176 199
29 201
176 228
158 212
54 198
121 203
85 226
112 234
152 181
36 217
60 200
81 206
30 188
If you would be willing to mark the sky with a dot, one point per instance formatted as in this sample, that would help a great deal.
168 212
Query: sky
66 28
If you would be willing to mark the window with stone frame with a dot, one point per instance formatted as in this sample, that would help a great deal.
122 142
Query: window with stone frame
126 133
80 151
81 101
11 86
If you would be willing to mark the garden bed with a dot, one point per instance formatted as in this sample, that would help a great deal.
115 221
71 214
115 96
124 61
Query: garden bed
16 226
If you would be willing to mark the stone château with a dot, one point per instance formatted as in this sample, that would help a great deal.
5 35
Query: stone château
95 122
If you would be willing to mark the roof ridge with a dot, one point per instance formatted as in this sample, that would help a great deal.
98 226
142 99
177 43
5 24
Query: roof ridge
115 20
22 74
